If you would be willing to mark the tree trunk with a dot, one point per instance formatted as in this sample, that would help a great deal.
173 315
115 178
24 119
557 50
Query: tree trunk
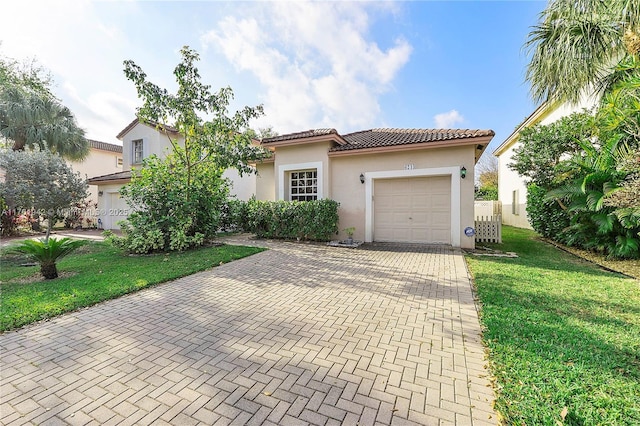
49 270
19 143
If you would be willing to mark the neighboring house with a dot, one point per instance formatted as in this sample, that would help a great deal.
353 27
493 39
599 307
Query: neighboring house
398 185
139 141
103 158
512 188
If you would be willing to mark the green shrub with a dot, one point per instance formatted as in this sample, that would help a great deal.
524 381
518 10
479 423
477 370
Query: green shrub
174 210
308 220
546 216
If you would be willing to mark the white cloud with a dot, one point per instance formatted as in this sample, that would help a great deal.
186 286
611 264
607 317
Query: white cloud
315 62
448 120
84 51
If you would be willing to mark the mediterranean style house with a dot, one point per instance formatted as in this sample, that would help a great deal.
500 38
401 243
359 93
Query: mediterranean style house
512 188
399 185
140 140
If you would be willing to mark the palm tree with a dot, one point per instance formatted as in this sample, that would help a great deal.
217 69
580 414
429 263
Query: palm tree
578 44
31 117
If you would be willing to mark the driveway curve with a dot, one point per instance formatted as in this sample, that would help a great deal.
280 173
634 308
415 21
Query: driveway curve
298 334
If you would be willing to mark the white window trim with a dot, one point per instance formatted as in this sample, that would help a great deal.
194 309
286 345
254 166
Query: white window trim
454 172
133 150
282 176
515 202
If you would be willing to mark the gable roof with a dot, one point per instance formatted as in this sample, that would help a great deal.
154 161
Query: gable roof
379 138
535 117
149 123
104 146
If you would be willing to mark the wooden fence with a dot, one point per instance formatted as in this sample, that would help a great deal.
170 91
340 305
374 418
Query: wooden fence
489 229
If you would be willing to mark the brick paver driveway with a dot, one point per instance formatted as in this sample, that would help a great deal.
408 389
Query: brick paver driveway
299 334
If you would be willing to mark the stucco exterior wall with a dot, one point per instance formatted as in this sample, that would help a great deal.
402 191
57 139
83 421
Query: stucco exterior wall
97 163
265 182
346 188
511 186
242 187
154 142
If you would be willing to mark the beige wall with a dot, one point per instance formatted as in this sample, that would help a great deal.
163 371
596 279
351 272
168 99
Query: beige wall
97 163
265 182
242 187
347 189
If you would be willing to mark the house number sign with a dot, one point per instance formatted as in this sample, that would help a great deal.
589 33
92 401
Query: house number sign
409 166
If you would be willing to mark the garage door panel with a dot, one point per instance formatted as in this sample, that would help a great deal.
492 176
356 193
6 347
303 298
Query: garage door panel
440 219
413 210
440 236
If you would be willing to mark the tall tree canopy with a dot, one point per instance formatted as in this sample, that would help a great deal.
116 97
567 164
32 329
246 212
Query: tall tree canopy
577 45
178 199
31 117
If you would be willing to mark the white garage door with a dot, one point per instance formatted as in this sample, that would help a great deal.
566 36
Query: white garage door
413 210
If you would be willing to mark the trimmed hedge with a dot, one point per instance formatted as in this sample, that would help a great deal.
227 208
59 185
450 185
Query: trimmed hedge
303 220
546 217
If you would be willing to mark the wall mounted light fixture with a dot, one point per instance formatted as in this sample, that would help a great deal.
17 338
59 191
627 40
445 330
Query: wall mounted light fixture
463 172
100 193
361 178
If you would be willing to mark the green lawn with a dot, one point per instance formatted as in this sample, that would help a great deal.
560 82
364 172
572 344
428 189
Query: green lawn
94 273
561 333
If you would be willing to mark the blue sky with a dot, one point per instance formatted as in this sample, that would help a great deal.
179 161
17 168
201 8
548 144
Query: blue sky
347 65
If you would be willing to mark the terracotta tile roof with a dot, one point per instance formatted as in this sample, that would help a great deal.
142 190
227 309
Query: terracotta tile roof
126 175
105 146
300 135
376 138
148 123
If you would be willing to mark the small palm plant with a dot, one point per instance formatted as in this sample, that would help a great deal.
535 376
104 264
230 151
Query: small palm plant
48 252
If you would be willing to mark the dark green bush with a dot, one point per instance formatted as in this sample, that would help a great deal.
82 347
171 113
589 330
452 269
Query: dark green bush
546 216
308 220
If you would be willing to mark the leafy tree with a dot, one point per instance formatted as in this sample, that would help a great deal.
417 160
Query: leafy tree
542 148
32 117
42 181
487 171
178 198
577 44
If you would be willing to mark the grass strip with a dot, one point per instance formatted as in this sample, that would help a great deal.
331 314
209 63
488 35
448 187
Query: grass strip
94 273
563 335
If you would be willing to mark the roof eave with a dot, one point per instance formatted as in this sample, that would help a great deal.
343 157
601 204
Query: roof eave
536 116
108 182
